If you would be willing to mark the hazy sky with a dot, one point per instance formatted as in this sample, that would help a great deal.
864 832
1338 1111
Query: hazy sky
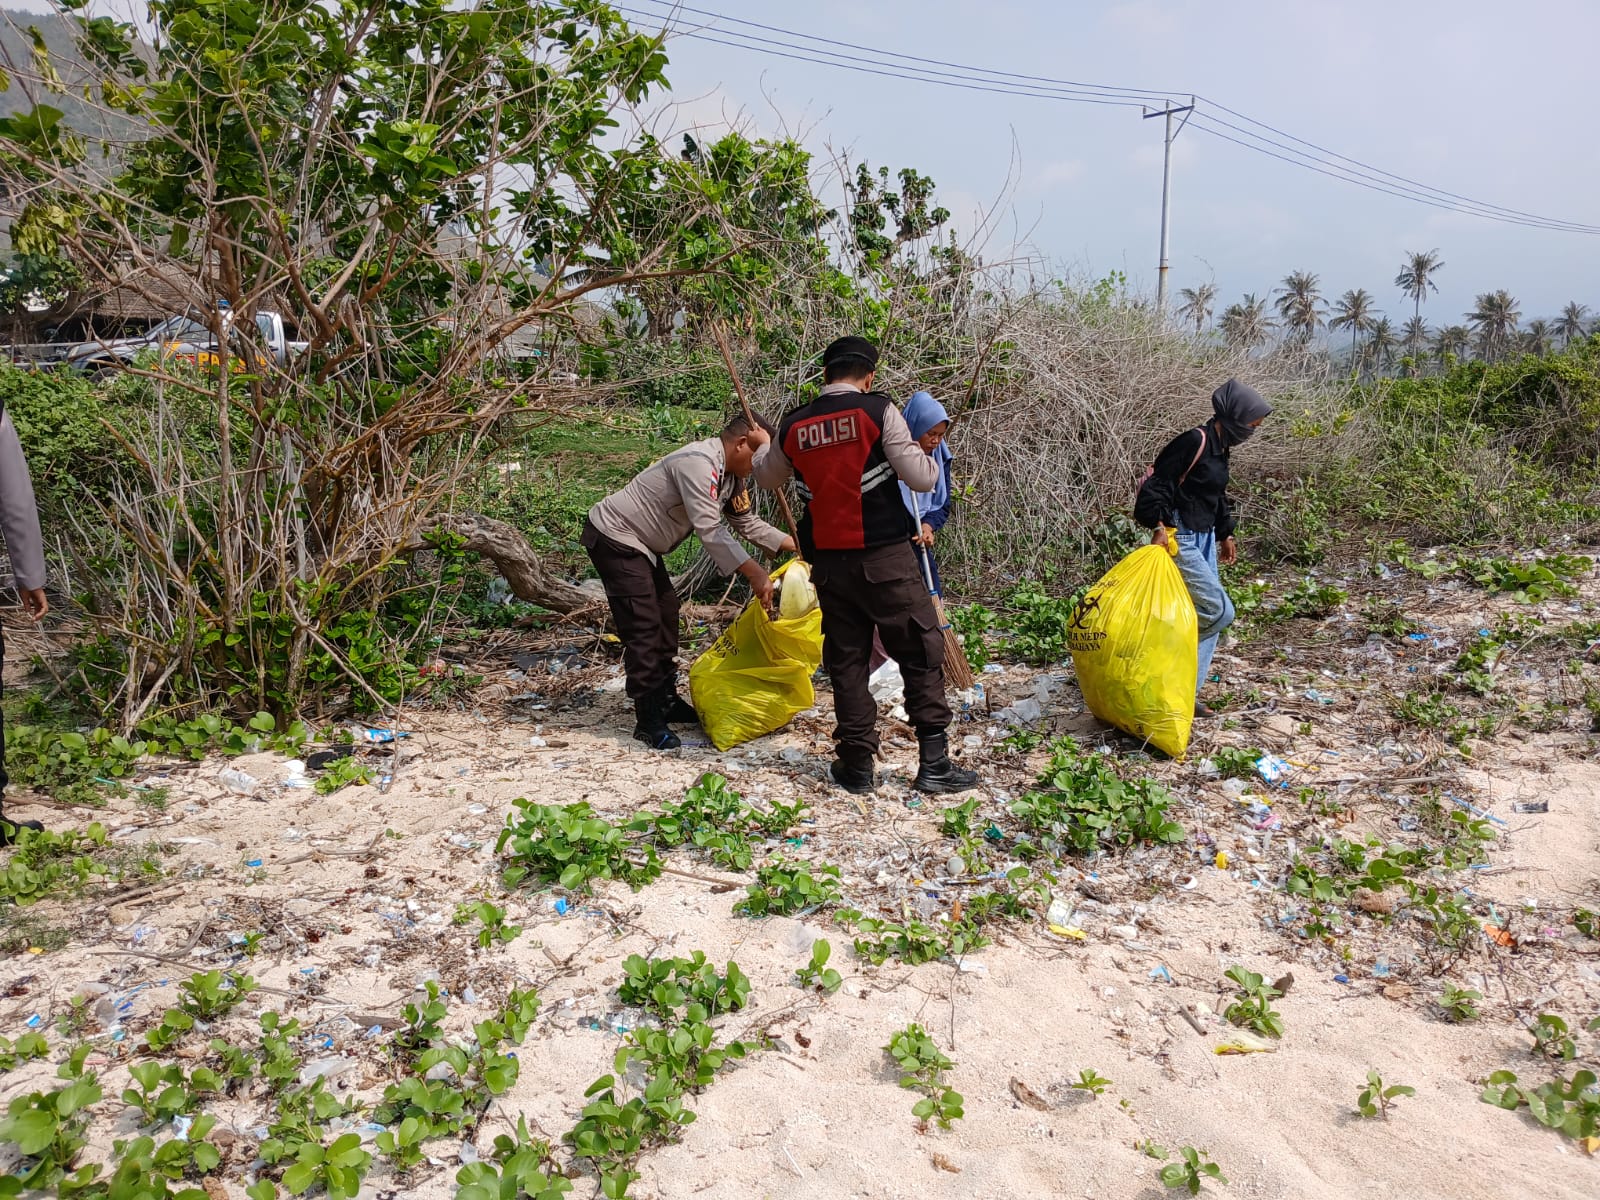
1488 100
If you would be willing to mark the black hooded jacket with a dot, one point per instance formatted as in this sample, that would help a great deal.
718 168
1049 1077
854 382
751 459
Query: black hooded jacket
1200 503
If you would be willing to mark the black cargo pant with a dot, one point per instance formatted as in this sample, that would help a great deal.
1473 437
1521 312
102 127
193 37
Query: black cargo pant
879 590
644 608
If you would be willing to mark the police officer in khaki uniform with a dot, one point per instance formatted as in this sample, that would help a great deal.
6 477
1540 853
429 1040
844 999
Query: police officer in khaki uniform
847 449
629 534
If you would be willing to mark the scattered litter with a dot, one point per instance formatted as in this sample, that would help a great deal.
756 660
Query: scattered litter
560 905
252 862
1475 810
537 743
993 669
375 737
1531 806
1273 769
477 810
1380 969
1067 931
886 684
1023 712
1246 1043
1317 697
1222 860
1161 974
326 1068
35 1021
240 783
294 774
1341 979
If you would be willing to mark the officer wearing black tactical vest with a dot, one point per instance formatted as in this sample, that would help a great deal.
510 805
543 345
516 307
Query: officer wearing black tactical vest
847 448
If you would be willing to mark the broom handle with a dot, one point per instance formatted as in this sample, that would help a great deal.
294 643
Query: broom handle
927 577
738 387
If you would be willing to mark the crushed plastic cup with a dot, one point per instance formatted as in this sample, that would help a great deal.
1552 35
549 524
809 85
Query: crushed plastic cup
1246 1043
240 783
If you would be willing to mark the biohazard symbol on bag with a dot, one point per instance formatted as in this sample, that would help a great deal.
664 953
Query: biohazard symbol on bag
757 675
1133 639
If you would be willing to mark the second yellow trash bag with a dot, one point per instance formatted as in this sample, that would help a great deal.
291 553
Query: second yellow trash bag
1133 639
757 675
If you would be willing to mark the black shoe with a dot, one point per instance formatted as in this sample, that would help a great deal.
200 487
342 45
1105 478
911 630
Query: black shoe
680 711
1202 710
943 778
650 725
8 829
855 779
657 737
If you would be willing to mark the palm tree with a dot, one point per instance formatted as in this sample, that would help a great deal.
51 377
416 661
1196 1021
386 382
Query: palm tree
1246 324
1414 338
1416 277
1354 312
1570 325
1380 347
1494 315
1450 342
1197 302
1300 304
1537 339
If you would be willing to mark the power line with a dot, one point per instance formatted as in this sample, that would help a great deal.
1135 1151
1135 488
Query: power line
1322 161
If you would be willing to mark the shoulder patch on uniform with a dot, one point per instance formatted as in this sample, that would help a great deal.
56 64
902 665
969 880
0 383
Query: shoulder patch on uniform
739 502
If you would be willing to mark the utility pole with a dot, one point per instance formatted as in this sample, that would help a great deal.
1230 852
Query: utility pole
1168 112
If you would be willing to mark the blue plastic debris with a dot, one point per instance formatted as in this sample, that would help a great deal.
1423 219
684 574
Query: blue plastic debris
35 1021
252 862
1380 969
1341 979
561 906
1162 974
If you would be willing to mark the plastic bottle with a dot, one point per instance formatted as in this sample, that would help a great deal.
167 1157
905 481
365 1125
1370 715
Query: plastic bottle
240 783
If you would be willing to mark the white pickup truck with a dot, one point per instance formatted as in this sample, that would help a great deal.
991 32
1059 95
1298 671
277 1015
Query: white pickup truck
184 337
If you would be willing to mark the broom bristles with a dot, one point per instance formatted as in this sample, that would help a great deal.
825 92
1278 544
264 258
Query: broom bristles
957 671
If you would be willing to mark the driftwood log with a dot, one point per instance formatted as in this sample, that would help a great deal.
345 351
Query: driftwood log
515 559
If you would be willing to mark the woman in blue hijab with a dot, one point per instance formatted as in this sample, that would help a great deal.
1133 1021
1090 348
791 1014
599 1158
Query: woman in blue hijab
930 510
929 424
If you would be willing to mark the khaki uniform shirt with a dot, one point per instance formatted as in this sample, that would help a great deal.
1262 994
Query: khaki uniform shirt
688 491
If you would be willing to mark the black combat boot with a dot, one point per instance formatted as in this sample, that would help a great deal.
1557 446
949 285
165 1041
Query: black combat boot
677 710
856 777
936 773
9 828
650 726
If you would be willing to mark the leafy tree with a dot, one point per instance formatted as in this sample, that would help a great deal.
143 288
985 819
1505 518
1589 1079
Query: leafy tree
1494 317
415 182
1537 338
1246 323
1416 277
1197 303
1571 324
882 220
1300 304
1353 311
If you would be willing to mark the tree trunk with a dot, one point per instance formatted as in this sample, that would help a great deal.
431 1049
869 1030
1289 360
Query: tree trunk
510 552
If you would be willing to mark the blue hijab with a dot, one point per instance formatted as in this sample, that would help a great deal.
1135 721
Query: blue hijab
923 412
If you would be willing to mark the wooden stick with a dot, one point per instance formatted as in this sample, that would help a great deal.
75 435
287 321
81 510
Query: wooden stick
738 387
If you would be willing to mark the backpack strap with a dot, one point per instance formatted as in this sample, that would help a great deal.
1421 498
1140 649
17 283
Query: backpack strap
1182 479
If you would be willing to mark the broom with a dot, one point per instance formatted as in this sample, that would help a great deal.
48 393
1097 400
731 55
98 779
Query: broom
957 671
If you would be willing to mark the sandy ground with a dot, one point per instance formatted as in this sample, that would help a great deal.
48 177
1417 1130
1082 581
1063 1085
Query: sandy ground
354 894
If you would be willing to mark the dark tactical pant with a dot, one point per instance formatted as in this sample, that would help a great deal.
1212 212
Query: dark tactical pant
644 608
880 591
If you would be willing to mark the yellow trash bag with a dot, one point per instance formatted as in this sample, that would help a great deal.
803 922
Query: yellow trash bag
1133 638
757 675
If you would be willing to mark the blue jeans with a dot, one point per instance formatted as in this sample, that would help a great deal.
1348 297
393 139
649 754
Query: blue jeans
1197 563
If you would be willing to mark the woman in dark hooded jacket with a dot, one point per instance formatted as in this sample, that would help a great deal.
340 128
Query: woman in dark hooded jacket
1188 492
